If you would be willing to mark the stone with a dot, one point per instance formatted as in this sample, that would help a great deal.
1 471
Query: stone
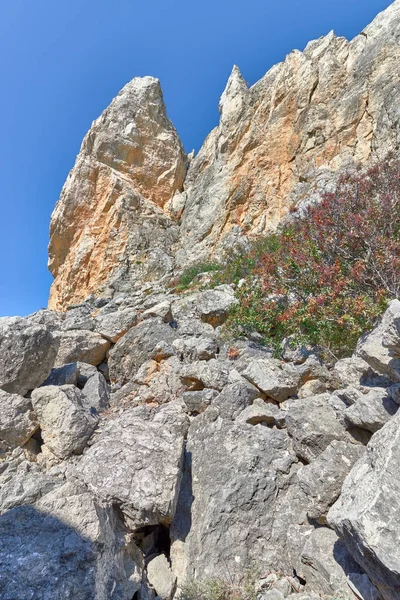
18 422
83 346
113 326
64 547
272 379
372 410
200 374
85 372
96 394
235 473
312 425
27 354
79 317
327 566
196 402
214 305
313 387
261 412
160 577
196 348
65 424
234 398
137 464
23 483
374 348
66 375
130 164
366 515
322 480
162 310
137 346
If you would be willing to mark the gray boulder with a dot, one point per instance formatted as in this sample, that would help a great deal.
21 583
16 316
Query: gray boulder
136 464
380 348
85 346
65 423
312 424
65 375
197 401
261 412
96 393
228 517
234 398
160 577
114 325
213 306
328 568
66 546
18 422
79 317
205 374
27 354
367 514
272 378
322 480
372 410
136 347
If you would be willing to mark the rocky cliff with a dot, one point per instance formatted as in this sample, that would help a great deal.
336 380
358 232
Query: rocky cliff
129 211
143 456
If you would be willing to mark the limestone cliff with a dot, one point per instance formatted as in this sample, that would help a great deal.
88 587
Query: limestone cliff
127 215
109 224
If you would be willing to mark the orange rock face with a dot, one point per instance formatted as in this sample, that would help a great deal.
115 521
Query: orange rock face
279 143
108 224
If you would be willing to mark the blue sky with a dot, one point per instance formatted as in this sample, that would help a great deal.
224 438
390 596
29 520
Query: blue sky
63 61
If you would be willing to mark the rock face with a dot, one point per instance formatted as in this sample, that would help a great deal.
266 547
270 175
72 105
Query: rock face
138 449
366 515
130 164
128 211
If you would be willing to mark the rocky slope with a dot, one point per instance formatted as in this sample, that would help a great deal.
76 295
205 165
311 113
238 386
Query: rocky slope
129 212
139 449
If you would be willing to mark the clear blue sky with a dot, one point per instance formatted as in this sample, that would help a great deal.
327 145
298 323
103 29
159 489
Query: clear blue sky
62 61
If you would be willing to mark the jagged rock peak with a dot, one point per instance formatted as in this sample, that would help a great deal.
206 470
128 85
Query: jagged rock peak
128 212
129 165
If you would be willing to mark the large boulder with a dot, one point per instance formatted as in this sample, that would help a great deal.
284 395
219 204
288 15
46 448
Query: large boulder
367 514
381 347
273 379
136 464
114 325
322 480
27 354
213 306
229 517
18 422
66 546
313 425
140 344
81 345
66 425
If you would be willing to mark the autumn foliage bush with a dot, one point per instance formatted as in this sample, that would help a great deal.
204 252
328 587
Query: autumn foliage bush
324 278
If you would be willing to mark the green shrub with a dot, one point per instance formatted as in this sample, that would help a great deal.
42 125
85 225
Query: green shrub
220 589
323 279
186 278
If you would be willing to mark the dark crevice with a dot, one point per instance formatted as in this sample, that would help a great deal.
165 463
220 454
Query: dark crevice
153 540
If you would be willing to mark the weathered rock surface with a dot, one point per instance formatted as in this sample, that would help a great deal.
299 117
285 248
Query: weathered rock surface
27 354
136 464
237 472
81 345
130 164
278 143
66 546
366 515
65 423
313 425
17 420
